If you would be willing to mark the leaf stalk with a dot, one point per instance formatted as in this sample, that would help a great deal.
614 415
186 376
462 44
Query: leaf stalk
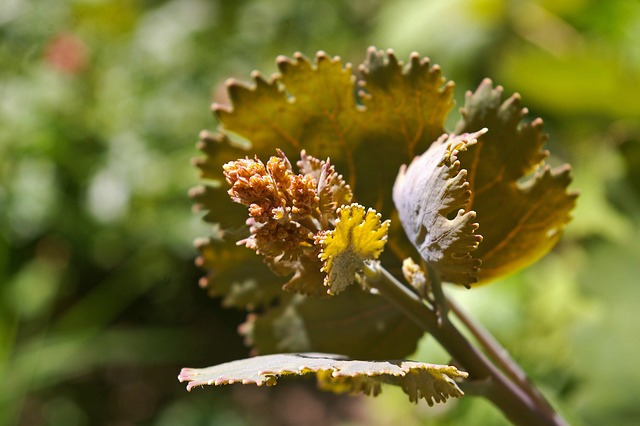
520 404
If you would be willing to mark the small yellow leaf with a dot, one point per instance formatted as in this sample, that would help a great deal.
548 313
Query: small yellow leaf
358 236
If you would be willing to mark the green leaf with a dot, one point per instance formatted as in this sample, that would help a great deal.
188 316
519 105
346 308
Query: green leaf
522 205
433 383
355 323
432 197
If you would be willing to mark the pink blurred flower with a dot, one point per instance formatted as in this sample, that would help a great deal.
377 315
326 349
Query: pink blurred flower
67 53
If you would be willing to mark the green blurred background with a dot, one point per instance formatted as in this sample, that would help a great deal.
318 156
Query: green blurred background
100 105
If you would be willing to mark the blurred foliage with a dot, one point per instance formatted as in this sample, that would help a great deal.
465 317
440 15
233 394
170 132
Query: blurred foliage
100 103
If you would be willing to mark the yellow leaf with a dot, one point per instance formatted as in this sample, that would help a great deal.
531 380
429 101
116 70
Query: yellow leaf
358 236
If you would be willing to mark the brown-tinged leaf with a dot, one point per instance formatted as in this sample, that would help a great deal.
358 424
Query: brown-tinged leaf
314 106
522 205
431 382
236 274
369 123
410 101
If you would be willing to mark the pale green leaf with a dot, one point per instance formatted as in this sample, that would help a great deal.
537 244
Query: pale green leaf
433 383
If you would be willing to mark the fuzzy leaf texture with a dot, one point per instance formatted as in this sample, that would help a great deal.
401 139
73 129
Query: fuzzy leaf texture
358 236
433 383
432 197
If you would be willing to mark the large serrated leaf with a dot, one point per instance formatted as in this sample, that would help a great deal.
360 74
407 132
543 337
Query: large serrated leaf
433 383
399 111
367 126
521 217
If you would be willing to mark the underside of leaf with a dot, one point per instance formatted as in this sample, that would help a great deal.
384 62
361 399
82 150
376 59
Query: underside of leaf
432 196
433 383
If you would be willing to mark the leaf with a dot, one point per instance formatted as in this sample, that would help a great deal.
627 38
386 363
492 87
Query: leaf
358 236
236 275
431 196
522 204
433 383
368 123
398 110
354 323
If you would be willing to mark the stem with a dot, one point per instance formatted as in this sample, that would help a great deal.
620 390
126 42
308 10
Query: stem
518 406
499 355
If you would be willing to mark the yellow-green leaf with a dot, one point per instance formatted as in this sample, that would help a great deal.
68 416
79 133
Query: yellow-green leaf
431 382
367 126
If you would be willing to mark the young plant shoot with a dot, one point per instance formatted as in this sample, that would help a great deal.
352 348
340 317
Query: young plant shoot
338 195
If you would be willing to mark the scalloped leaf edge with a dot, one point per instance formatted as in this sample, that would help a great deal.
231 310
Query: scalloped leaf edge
431 382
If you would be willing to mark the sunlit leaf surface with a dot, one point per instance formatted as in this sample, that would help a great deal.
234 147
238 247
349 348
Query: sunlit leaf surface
433 383
359 235
522 205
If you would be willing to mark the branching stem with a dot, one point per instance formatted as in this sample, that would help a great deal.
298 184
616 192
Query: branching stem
519 406
498 354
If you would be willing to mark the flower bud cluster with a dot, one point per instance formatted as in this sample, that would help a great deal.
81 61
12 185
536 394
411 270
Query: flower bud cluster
285 211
